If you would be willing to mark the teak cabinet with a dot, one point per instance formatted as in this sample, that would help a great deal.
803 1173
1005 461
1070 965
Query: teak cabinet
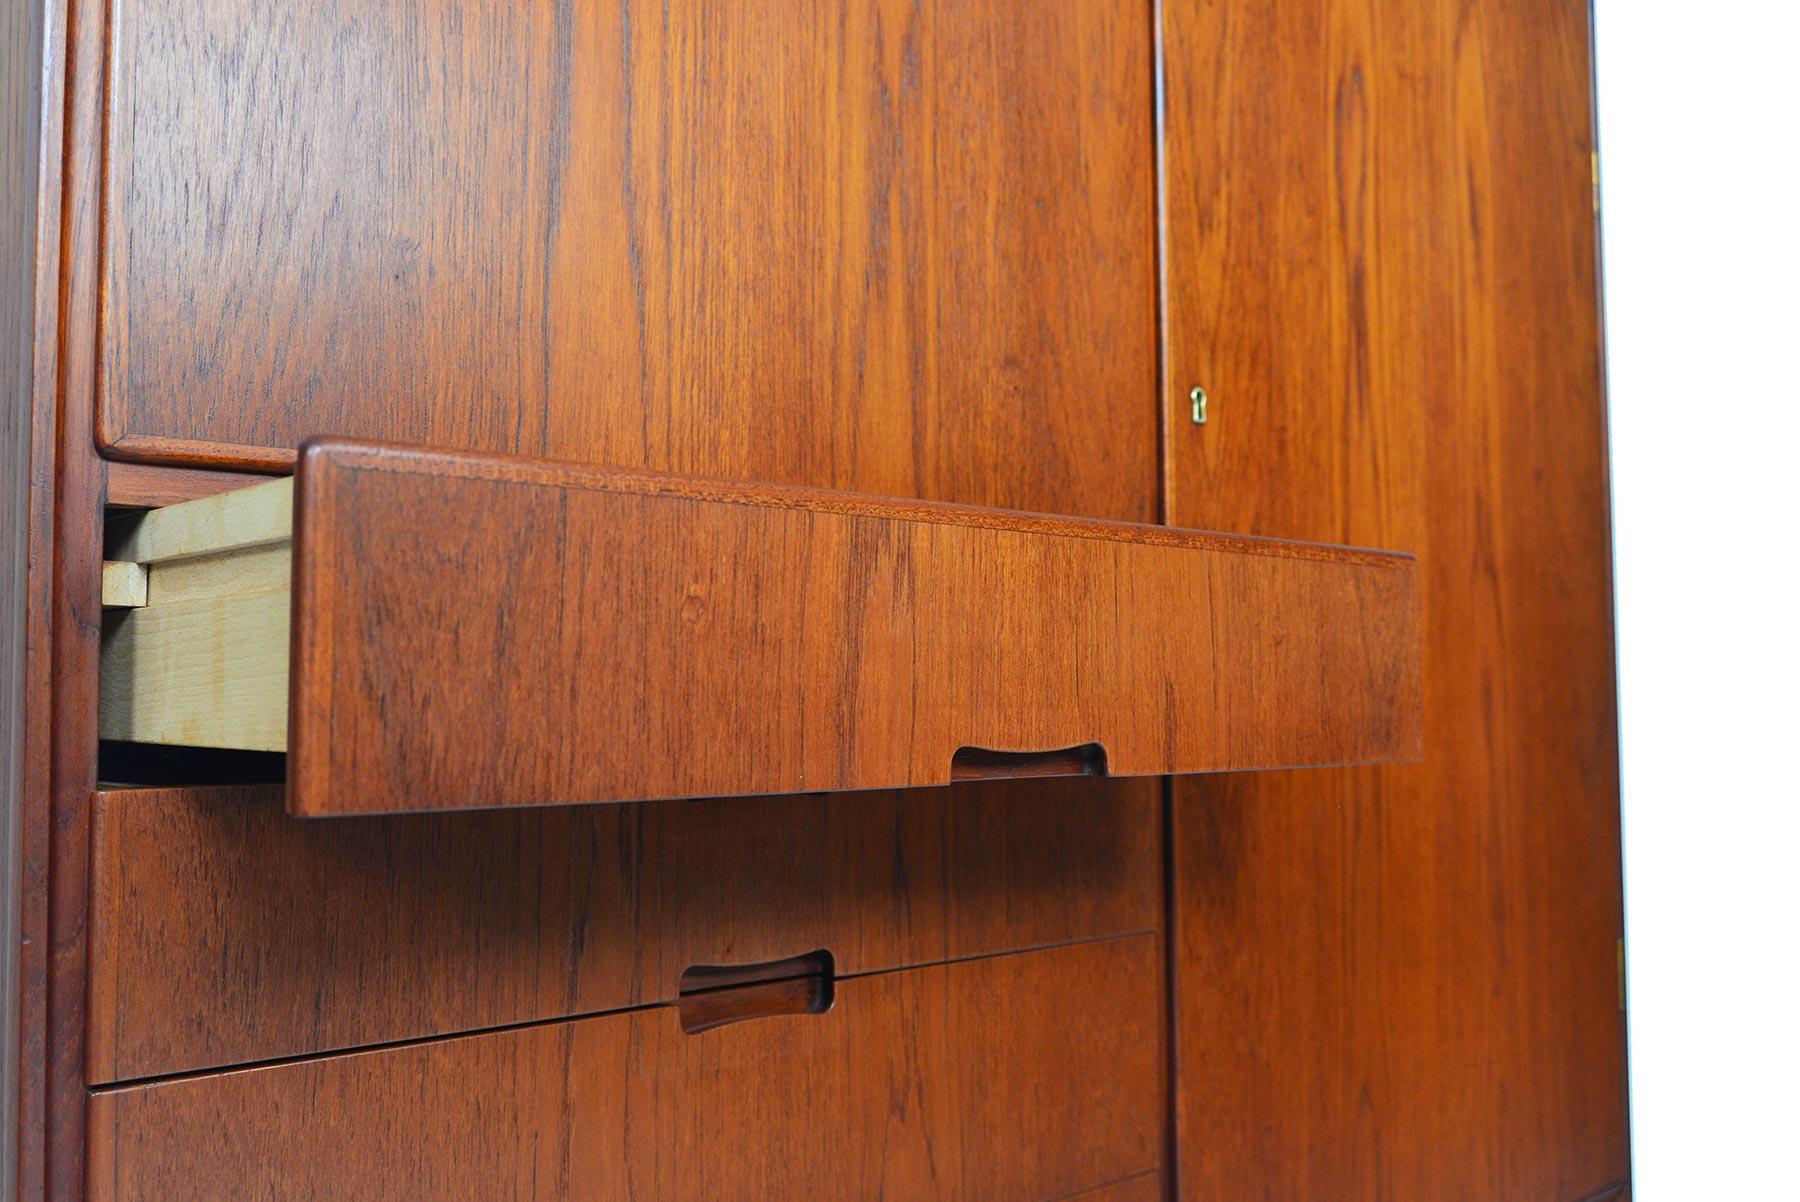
856 598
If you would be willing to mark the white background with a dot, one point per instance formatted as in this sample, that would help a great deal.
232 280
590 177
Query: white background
1699 140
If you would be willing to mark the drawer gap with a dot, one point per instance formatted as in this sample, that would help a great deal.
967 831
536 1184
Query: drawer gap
156 765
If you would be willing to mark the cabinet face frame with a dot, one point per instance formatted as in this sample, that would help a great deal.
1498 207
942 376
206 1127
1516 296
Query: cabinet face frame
67 487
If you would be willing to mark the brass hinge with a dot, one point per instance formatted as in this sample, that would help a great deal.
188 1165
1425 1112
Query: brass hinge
1594 163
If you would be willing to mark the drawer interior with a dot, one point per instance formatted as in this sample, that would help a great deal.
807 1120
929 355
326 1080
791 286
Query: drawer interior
196 601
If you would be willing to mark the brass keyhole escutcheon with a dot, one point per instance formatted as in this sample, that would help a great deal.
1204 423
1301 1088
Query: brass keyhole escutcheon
1197 398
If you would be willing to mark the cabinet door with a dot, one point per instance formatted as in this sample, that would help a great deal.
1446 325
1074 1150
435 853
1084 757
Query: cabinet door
874 244
1400 982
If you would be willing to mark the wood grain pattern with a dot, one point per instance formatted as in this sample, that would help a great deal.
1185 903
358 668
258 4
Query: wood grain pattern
848 243
210 672
225 932
146 485
1399 983
261 568
915 1085
617 637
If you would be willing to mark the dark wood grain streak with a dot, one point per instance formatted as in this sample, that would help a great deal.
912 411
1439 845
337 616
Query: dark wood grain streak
1400 983
226 932
22 98
848 243
913 1085
643 637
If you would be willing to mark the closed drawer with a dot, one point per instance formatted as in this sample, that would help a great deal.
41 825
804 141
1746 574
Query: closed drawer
467 632
1026 1077
224 932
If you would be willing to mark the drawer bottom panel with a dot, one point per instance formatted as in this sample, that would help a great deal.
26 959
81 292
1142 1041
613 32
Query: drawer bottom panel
1027 1077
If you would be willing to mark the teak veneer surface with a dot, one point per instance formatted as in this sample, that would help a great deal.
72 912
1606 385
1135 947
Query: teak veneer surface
586 635
1017 1078
226 932
871 244
1399 983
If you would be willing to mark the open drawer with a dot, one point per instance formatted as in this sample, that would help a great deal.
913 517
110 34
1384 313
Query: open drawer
422 630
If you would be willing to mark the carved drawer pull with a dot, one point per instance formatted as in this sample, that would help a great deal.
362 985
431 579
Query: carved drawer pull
715 996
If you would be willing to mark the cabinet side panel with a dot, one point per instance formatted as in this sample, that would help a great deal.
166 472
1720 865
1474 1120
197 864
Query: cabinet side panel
1401 983
21 48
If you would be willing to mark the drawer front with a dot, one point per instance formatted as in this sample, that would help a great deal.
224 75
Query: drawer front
1026 1077
866 244
223 932
470 632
